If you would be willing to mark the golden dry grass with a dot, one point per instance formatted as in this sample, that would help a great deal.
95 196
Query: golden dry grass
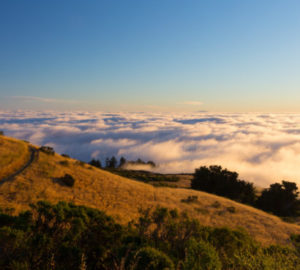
121 198
13 155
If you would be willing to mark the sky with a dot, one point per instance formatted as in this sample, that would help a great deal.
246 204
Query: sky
150 56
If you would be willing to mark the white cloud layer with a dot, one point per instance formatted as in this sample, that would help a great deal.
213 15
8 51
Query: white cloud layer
262 148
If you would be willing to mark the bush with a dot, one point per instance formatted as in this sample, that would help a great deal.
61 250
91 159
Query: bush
71 237
152 259
64 163
1 133
201 255
65 155
67 180
47 149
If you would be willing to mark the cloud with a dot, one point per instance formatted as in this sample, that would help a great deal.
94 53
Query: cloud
263 148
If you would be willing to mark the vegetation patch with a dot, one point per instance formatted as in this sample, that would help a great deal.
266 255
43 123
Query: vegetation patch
67 180
47 150
219 181
281 199
64 163
65 236
145 176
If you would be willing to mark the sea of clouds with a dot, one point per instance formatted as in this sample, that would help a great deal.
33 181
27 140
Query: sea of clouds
262 148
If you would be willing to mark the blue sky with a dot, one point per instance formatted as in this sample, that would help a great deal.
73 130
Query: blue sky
164 55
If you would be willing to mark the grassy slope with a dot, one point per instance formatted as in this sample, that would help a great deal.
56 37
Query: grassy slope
13 155
121 198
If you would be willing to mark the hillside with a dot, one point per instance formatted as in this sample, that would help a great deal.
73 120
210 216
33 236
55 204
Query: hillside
119 196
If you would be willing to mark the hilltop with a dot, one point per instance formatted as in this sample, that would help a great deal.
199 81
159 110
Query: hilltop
120 197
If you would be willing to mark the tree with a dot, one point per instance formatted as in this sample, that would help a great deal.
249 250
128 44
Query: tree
222 182
280 199
151 163
111 163
122 162
107 162
96 163
140 161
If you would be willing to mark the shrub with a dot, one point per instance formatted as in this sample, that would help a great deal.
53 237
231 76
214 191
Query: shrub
152 259
67 180
1 133
201 255
64 163
47 149
65 236
65 155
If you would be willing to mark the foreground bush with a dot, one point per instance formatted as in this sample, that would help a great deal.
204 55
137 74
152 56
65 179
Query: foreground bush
152 259
65 236
201 255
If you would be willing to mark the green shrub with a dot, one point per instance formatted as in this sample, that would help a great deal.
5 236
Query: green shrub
277 257
65 236
201 255
152 259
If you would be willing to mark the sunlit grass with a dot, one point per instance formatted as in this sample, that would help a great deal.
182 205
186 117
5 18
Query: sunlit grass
13 155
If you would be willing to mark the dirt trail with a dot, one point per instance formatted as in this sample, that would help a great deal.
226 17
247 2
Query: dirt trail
33 156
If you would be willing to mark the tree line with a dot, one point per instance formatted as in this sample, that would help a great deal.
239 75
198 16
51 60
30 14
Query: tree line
280 198
113 163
